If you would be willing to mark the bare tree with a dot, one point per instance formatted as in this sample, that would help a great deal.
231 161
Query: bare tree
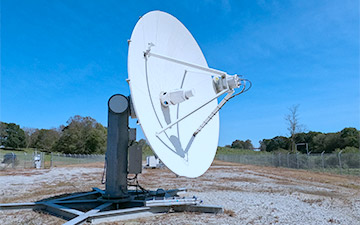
294 125
29 135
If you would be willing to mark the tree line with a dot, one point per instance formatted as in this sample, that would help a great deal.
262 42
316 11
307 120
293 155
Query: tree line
84 135
80 135
346 139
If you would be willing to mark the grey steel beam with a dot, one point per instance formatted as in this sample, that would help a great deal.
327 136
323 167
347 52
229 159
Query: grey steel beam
23 205
98 190
74 196
75 201
61 210
171 202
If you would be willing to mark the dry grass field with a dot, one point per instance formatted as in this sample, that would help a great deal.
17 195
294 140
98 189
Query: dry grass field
248 194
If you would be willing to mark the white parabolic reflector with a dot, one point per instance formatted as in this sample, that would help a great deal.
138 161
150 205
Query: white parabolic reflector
150 76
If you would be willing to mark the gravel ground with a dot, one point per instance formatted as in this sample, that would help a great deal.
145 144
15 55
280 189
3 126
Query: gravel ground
248 194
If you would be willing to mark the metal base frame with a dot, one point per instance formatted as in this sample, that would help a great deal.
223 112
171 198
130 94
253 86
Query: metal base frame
94 208
116 202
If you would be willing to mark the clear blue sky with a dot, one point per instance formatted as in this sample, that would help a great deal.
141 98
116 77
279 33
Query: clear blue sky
66 57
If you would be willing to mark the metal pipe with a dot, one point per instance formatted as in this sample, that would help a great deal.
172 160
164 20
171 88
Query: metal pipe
25 158
307 148
339 155
297 159
178 120
117 148
213 113
207 69
322 160
51 160
279 156
13 159
287 159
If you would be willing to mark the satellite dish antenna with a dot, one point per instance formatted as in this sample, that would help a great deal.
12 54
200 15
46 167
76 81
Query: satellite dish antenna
174 93
174 96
